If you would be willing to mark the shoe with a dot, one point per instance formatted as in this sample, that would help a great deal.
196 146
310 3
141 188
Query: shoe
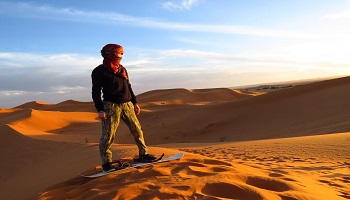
108 167
146 158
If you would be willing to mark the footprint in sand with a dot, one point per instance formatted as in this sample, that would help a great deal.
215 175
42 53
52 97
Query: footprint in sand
268 184
229 191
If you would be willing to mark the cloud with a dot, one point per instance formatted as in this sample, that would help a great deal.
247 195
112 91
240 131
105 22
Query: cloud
338 16
44 73
69 14
58 77
21 73
53 62
180 5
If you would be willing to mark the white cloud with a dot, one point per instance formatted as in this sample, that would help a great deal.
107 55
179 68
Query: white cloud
338 16
180 4
70 14
33 73
52 62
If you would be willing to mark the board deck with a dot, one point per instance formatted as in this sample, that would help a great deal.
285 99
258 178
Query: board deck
102 173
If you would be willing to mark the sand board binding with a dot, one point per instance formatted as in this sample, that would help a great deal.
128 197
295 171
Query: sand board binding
173 157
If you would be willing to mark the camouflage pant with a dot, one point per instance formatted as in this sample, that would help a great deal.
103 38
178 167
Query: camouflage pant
115 112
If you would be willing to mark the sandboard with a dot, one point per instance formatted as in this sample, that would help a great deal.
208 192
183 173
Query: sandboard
102 173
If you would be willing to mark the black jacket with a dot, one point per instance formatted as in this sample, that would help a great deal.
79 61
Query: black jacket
115 88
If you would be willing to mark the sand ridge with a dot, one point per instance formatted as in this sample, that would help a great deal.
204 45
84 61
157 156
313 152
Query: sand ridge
303 110
288 144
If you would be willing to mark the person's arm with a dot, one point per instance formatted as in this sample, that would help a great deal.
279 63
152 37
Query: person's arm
96 93
96 90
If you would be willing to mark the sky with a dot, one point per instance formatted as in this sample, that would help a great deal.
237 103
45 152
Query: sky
49 48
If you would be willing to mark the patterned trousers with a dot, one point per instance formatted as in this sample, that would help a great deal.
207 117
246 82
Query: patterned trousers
115 112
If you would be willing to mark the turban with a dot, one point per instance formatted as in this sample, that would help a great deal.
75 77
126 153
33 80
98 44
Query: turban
112 51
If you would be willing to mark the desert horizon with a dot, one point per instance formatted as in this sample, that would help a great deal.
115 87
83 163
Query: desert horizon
278 141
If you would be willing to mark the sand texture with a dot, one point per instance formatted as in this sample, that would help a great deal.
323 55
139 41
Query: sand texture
291 143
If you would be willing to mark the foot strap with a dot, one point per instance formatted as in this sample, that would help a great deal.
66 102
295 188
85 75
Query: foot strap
140 160
120 164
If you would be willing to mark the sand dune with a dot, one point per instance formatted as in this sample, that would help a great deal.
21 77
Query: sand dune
156 100
194 96
29 165
249 170
304 110
194 177
37 105
65 106
304 153
34 122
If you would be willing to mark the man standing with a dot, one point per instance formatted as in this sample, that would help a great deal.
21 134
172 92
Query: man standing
119 102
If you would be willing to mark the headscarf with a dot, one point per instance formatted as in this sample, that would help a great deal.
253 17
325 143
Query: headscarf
111 54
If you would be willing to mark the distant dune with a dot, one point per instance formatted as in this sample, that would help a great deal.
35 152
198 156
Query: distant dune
286 143
193 96
65 106
303 110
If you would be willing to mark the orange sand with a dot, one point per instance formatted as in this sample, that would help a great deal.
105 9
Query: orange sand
288 144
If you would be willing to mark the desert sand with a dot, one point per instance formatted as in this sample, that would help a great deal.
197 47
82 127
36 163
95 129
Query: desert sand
291 143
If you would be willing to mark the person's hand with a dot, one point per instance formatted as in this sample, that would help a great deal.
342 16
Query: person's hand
137 109
102 115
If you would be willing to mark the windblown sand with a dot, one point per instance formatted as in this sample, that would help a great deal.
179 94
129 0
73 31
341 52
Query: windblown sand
289 144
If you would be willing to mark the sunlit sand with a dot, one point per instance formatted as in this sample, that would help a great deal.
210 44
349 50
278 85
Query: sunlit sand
290 143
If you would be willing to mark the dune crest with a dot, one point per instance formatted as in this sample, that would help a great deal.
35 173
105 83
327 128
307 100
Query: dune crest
9 136
36 122
194 95
38 105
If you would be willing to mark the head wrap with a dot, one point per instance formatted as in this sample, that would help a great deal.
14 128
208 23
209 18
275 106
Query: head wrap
112 54
110 51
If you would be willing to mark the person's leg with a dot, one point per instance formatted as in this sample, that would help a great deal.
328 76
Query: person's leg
109 128
129 117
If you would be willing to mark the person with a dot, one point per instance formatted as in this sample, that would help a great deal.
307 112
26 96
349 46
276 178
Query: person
119 102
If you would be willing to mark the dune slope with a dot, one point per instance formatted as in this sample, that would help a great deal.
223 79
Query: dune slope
29 165
316 108
269 169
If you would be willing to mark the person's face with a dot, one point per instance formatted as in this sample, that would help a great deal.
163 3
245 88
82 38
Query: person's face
118 55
